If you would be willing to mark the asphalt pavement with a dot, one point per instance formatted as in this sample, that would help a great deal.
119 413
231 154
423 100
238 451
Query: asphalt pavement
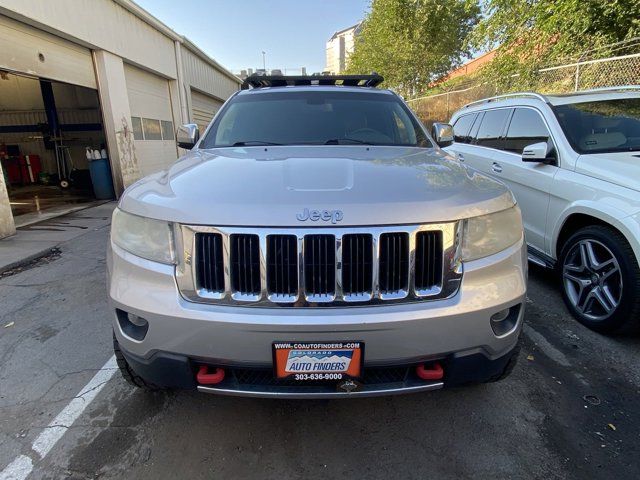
569 410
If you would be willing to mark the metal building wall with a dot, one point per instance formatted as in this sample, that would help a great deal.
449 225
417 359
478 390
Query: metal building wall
206 78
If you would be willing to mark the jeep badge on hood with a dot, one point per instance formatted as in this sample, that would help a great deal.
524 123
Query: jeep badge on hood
314 215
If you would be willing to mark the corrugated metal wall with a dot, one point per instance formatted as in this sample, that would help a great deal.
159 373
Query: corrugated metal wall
206 78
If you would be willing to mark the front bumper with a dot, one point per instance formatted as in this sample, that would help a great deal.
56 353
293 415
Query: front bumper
178 371
450 330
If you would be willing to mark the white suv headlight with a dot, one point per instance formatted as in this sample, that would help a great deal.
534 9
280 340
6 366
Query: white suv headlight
143 237
489 234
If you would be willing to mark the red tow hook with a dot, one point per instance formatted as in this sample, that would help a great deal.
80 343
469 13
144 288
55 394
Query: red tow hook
206 378
434 372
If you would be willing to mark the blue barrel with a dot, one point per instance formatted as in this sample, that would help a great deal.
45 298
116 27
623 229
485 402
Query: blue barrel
101 179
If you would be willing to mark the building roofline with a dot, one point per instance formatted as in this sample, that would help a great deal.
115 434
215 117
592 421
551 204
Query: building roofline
352 27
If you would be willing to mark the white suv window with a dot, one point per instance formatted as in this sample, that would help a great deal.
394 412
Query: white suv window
603 126
462 127
526 128
492 128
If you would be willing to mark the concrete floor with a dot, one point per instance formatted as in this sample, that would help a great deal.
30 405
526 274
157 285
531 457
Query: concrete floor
34 203
568 411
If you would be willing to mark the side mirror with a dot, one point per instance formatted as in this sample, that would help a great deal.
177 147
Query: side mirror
188 135
442 134
541 152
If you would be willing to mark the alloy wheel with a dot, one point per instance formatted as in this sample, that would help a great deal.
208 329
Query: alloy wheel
592 279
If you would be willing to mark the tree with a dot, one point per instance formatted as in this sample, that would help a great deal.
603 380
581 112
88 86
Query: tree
531 34
413 42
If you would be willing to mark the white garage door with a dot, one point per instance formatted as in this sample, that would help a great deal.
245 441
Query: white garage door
203 108
151 117
28 50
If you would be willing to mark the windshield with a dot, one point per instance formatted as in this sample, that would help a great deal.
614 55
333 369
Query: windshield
601 127
315 118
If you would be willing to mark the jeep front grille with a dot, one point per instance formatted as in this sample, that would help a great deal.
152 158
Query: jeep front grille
316 267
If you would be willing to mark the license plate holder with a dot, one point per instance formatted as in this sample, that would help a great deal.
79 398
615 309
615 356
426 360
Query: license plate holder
305 362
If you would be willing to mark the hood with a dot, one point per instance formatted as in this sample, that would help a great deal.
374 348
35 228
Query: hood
260 186
621 168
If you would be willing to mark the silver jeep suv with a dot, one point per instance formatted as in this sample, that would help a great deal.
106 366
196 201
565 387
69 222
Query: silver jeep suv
315 242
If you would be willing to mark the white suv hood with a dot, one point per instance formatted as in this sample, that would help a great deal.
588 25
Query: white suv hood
269 186
620 168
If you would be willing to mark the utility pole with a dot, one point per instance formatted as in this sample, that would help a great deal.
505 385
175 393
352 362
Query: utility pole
264 62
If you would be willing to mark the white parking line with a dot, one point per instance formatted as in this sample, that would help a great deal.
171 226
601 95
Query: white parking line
22 466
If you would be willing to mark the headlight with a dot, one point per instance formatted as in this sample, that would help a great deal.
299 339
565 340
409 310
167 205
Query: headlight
143 237
489 234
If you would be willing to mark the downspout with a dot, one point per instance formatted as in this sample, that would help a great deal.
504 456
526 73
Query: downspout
184 110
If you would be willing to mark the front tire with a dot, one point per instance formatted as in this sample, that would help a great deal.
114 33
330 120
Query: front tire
131 377
600 279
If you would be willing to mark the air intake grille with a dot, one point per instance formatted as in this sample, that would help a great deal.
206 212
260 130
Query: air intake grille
357 264
210 262
320 265
282 265
245 264
394 263
428 259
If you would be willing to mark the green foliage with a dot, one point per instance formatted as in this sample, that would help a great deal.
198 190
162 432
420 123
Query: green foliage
533 34
413 42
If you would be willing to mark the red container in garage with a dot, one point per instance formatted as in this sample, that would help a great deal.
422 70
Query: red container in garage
22 169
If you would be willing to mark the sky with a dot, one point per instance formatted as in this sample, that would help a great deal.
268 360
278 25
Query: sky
293 33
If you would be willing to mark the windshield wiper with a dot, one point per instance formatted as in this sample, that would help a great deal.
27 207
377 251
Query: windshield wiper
338 141
251 143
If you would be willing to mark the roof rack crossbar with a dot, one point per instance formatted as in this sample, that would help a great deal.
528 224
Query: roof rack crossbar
620 88
265 81
508 95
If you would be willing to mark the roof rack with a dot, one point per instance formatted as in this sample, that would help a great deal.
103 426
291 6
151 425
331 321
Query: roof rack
621 88
544 98
265 81
508 95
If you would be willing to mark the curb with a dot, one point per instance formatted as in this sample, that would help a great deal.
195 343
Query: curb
28 259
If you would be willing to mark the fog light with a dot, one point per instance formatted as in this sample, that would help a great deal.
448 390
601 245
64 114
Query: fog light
505 321
496 317
132 325
136 320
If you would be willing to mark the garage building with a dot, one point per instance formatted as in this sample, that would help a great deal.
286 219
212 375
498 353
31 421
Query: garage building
88 87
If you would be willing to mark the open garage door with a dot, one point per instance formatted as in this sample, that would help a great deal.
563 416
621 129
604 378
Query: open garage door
24 49
203 108
152 119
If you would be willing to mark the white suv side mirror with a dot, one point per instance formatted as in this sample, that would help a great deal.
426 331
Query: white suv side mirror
188 135
538 152
442 134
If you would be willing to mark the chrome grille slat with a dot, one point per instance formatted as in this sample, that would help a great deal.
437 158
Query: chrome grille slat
245 267
282 268
428 264
319 267
394 265
209 270
357 266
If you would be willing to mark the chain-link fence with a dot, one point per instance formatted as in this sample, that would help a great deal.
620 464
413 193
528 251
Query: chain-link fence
580 75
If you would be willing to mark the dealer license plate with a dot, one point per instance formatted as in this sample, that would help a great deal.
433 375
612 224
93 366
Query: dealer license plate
313 361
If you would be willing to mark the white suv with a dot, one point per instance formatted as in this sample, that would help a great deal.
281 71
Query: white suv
573 164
